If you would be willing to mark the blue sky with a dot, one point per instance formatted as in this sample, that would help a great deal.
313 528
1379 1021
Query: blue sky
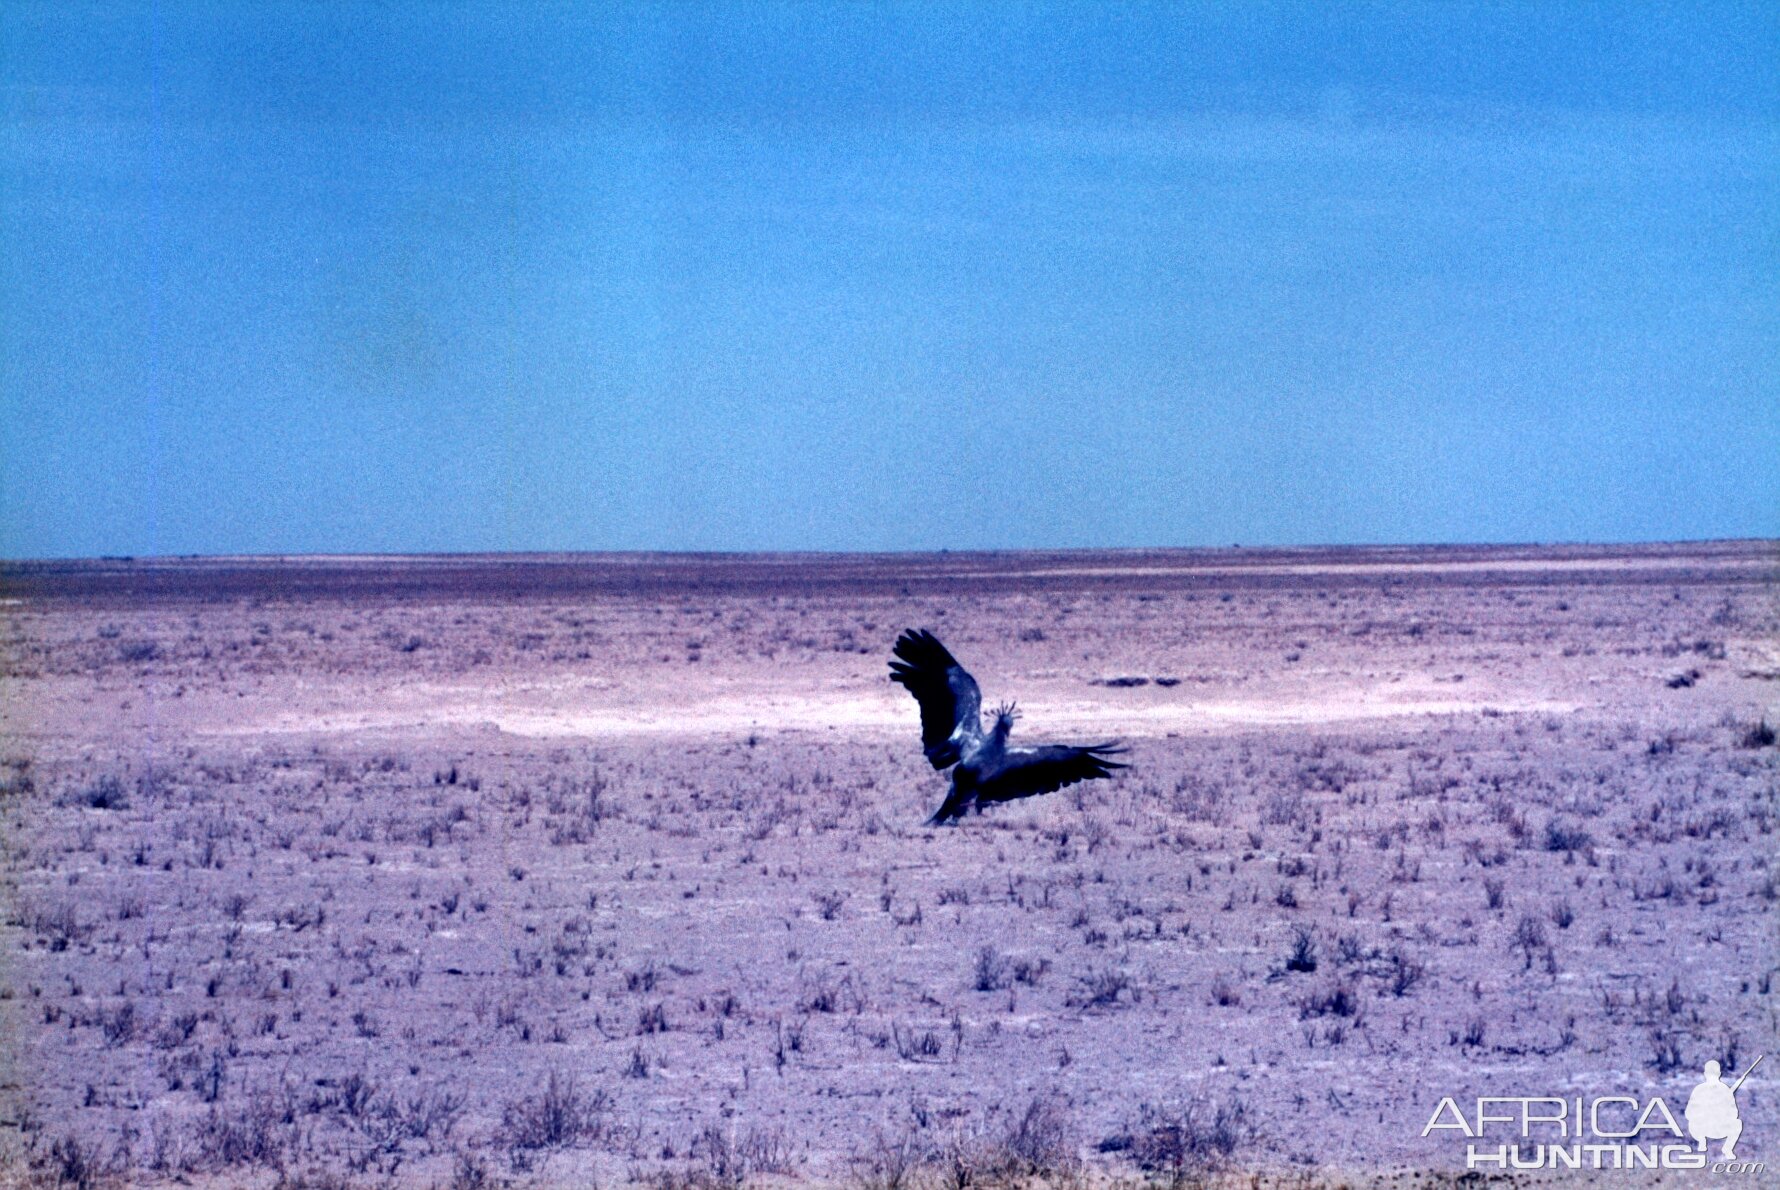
452 277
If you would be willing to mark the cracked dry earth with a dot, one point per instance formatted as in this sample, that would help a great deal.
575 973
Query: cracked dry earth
555 870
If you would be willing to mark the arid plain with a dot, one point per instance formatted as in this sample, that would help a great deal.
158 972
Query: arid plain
553 870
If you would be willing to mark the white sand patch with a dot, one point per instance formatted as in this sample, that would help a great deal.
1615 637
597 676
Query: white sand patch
737 716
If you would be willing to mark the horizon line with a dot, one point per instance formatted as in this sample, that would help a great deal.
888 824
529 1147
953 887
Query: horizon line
364 556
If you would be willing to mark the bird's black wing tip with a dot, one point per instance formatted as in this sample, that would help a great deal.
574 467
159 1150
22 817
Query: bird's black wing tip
921 648
1101 755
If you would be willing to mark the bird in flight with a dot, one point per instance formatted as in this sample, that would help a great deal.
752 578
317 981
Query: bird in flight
952 734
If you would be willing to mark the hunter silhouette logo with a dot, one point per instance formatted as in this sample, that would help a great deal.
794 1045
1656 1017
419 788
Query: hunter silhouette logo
1602 1132
1712 1110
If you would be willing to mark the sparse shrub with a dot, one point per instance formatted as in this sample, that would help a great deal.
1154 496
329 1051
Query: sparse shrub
582 806
59 925
1493 888
468 1173
1404 974
1303 956
1759 736
559 1117
209 1081
1349 951
176 1031
643 979
71 1162
107 793
137 651
1039 1140
1562 836
1335 1000
119 1026
730 1160
1187 1142
1032 1147
1529 938
991 970
1665 1051
891 1163
1283 807
1101 988
820 994
356 1094
258 1134
913 1046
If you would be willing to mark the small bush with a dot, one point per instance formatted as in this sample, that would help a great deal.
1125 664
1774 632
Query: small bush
258 1135
1759 736
119 1026
890 1163
1303 956
107 793
1035 1146
1405 973
1529 938
1040 1139
1101 988
912 1046
69 1162
1493 888
59 925
992 970
1188 1142
561 1116
730 1160
1562 836
1335 1000
1665 1052
137 651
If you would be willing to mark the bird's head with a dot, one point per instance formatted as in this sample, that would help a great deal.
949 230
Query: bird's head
1005 714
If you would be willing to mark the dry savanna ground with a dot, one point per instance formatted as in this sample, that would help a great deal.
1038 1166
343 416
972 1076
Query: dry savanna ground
554 871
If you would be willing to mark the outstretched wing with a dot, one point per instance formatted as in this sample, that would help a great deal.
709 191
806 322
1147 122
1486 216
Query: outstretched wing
950 702
1025 772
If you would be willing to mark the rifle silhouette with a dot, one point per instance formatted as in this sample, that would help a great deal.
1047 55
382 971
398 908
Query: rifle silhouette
1747 1073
